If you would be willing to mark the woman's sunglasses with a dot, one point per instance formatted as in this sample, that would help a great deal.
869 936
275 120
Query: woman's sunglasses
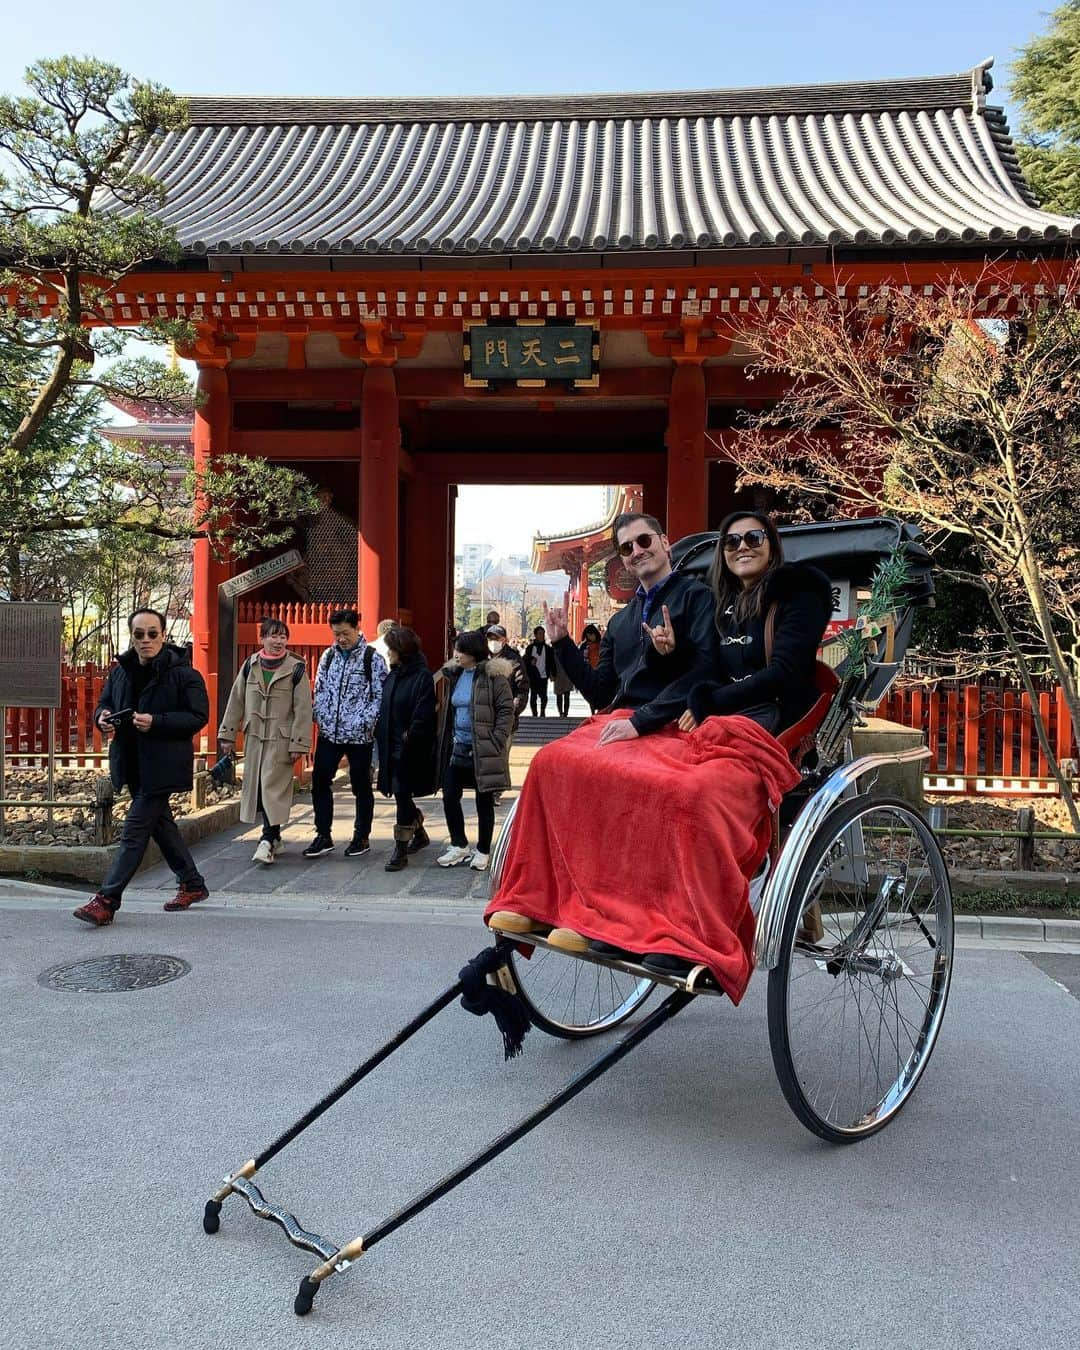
627 546
752 539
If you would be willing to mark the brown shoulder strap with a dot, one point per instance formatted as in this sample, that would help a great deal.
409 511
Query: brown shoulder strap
770 629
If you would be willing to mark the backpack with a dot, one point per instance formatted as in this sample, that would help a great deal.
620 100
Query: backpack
297 673
327 657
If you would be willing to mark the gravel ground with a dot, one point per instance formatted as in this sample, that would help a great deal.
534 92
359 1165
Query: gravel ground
999 813
29 824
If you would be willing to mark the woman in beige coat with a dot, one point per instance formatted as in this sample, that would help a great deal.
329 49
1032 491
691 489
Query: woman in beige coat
270 702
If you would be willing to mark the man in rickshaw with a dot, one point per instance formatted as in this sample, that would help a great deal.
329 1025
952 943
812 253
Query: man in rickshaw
632 672
650 850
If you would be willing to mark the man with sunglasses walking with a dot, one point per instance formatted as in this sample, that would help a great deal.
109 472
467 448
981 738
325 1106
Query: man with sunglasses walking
655 649
152 705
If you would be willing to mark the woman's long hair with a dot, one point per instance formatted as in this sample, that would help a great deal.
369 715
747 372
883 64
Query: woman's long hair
726 587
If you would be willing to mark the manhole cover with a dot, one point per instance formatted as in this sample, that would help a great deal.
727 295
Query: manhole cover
113 974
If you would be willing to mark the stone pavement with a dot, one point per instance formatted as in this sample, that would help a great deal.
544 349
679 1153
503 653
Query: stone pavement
225 860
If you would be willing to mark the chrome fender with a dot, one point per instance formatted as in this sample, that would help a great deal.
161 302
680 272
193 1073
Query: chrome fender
770 919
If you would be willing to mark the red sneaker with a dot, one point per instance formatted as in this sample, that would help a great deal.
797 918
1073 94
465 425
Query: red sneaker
98 910
186 896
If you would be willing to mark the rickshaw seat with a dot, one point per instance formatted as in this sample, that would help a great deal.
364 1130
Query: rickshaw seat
798 739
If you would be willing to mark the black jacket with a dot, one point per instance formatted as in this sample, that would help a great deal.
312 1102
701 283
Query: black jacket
803 599
405 731
631 673
518 677
532 655
176 698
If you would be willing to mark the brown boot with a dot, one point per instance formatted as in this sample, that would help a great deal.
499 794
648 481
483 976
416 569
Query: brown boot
419 838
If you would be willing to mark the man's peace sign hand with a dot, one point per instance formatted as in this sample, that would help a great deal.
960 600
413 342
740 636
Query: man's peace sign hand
554 623
663 635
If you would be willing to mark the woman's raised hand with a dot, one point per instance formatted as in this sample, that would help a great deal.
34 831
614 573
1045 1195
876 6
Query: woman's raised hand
554 623
663 635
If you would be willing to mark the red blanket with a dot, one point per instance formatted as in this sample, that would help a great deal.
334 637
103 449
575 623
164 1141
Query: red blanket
650 843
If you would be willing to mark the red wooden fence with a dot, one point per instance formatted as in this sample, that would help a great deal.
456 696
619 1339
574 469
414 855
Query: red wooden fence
981 736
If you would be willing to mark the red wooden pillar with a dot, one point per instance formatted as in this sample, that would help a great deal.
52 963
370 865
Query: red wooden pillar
380 441
582 615
430 567
210 438
687 497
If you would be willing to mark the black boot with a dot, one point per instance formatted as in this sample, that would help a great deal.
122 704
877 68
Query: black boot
399 858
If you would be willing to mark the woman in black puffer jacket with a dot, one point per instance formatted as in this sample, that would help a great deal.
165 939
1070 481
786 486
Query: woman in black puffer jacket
749 578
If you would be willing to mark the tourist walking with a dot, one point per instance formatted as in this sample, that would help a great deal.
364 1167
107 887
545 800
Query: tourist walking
562 685
499 647
405 735
152 704
476 720
589 647
348 692
540 665
270 702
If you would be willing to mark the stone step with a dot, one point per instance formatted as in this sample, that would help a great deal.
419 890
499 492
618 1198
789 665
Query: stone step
541 730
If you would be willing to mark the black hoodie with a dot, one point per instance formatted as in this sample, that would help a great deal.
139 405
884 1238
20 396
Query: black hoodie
803 599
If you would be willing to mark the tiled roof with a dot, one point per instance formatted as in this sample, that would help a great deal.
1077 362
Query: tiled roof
894 163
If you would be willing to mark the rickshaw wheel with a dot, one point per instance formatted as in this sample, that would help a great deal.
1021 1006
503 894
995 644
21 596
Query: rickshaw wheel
565 996
572 998
854 1013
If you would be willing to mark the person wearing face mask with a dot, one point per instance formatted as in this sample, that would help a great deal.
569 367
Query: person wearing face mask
519 679
270 701
152 704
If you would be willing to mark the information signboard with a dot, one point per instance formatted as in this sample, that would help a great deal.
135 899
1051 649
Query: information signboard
31 648
266 571
531 354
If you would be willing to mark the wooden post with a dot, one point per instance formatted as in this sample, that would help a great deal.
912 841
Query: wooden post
1025 844
103 805
199 783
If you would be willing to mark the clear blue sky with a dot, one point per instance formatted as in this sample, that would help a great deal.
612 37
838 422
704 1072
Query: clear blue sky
548 46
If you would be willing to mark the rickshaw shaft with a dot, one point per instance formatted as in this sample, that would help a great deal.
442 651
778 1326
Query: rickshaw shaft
347 1084
674 1003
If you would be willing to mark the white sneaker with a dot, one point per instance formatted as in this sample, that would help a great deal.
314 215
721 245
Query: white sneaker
278 847
453 856
479 862
264 852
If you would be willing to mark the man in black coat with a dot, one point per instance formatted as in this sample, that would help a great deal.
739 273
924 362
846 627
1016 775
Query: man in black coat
540 668
631 673
162 704
519 679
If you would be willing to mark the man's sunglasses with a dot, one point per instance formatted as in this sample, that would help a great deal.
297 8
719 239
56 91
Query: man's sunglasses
752 538
642 541
150 633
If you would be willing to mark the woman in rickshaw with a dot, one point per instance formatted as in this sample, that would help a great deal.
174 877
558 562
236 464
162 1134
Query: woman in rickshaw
690 812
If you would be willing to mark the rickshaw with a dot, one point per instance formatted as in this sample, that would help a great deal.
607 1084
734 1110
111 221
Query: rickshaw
854 923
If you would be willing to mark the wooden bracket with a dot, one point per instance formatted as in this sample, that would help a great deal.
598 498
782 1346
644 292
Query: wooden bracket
691 344
379 343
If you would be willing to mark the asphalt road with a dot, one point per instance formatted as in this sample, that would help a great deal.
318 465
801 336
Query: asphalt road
677 1201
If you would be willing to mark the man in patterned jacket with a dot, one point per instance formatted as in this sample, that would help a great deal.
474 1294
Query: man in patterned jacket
348 692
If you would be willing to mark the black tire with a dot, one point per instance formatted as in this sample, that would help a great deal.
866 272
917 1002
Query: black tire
854 1013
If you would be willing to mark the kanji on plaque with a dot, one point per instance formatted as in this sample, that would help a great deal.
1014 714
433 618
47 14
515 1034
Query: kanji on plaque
530 352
